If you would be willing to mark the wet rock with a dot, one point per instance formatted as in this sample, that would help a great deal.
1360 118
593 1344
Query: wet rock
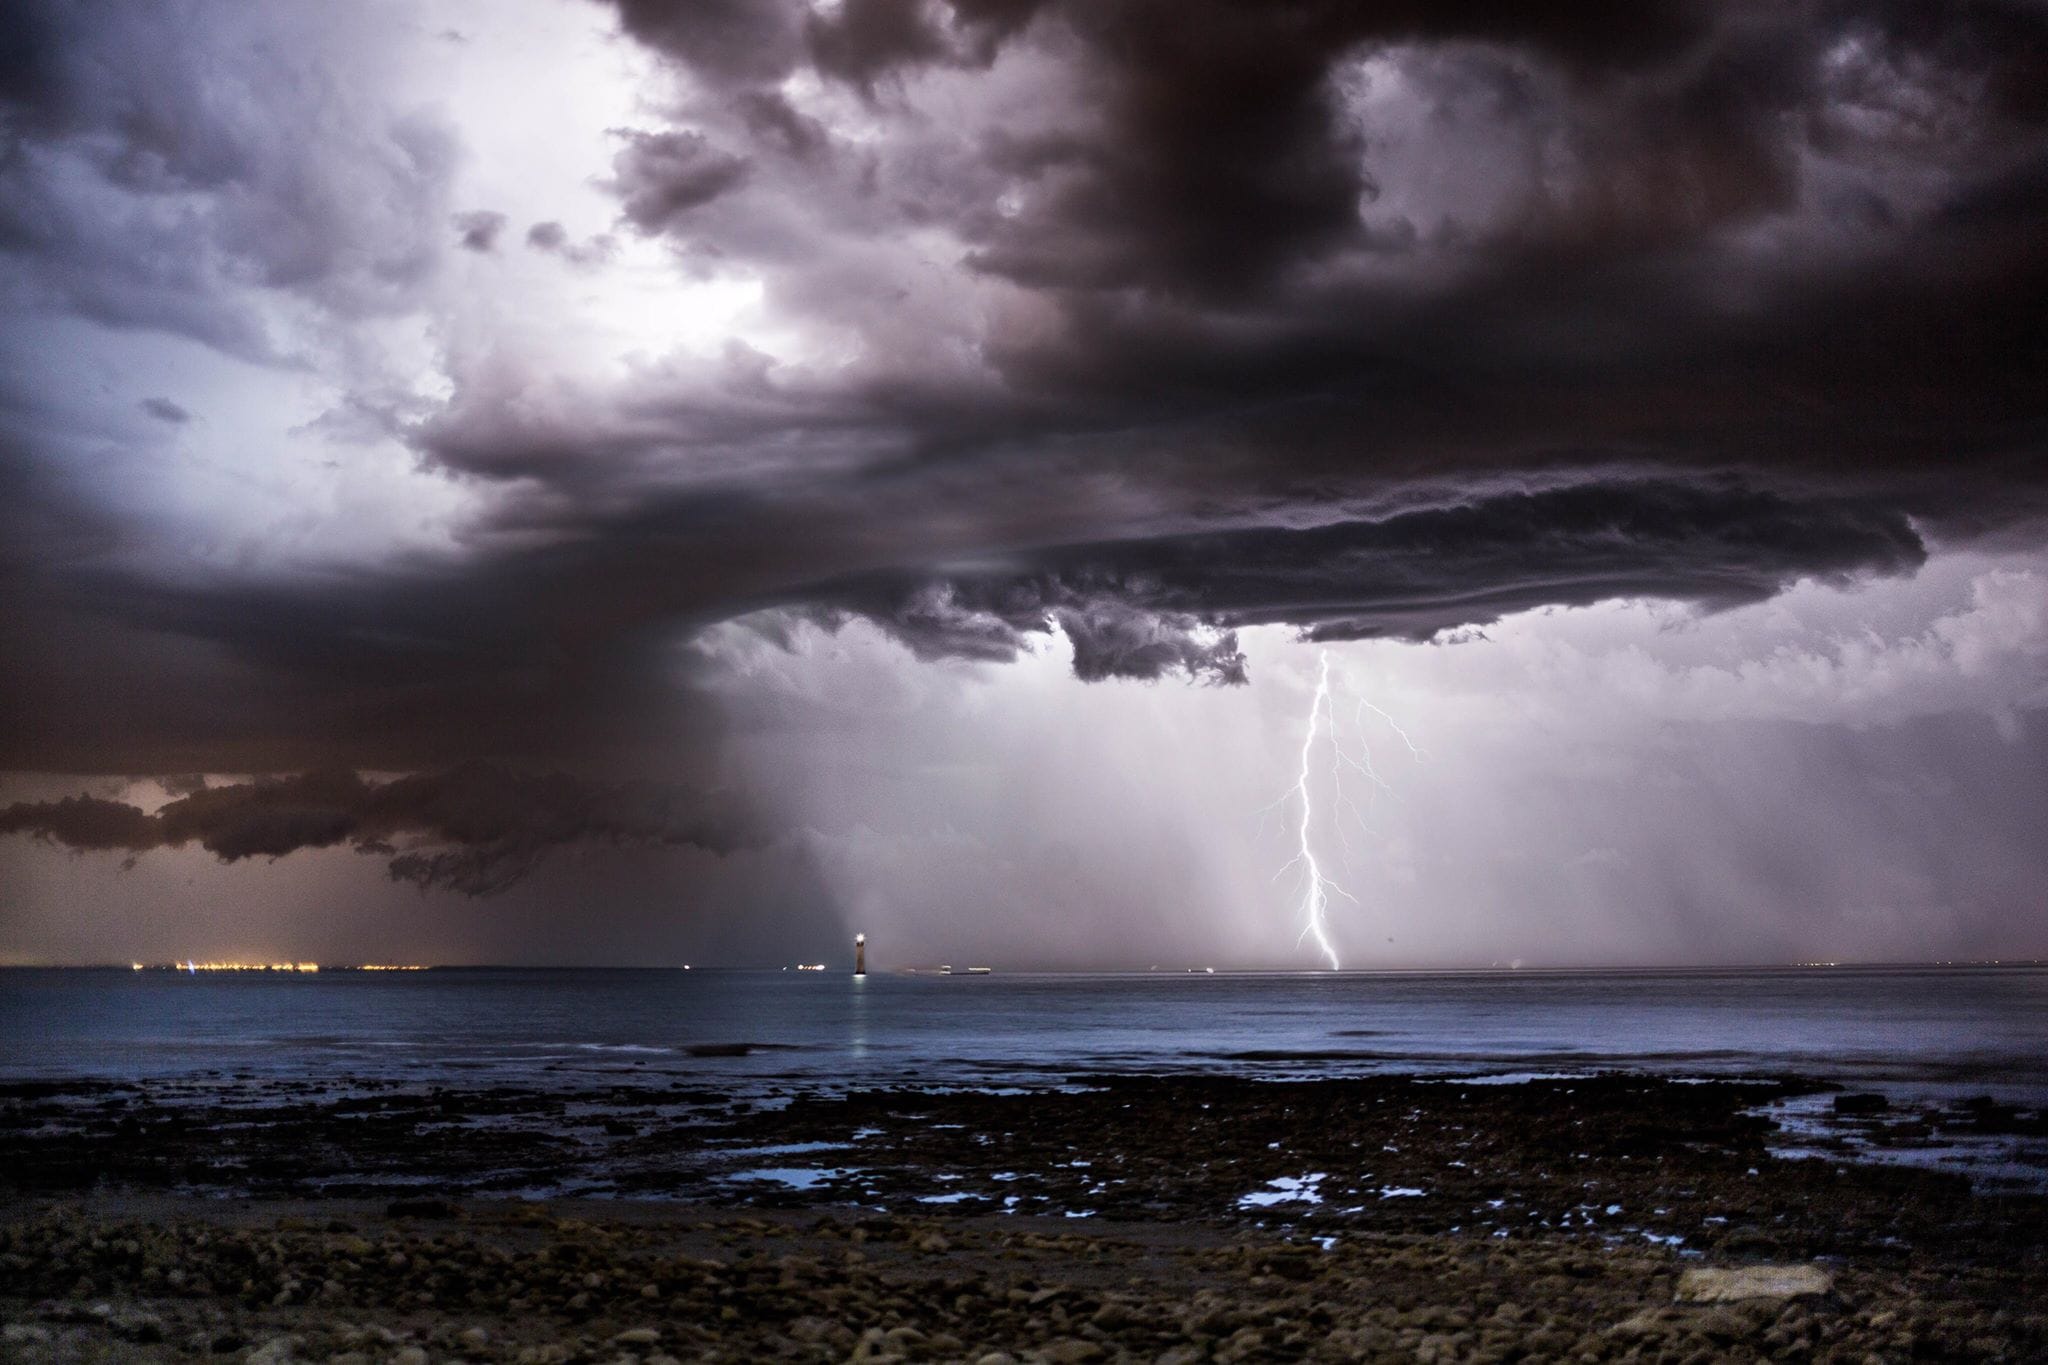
1650 1322
809 1328
1860 1104
276 1351
1729 1322
1706 1284
136 1326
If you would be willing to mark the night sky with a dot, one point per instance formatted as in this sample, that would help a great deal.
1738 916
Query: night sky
556 481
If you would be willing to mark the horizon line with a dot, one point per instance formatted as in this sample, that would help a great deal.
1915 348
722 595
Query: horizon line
1490 969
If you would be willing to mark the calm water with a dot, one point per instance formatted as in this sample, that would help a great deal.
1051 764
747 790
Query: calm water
1924 1031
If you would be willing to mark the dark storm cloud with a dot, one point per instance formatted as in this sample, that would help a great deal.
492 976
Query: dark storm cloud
1147 321
476 829
729 41
662 176
1132 608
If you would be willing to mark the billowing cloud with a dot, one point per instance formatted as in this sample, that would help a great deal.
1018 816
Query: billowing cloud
152 185
476 829
1147 322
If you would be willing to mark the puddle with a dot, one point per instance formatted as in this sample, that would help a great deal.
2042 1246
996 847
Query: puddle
1288 1189
779 1149
1927 1135
793 1177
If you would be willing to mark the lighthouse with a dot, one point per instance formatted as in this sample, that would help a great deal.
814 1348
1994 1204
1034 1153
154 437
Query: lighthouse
860 954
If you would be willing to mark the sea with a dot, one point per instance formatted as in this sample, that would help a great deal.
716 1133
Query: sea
1926 1038
1905 1031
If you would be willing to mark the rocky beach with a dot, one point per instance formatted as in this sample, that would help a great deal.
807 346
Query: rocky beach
1140 1218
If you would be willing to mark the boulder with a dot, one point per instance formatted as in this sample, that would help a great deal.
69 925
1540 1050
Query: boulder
1729 1284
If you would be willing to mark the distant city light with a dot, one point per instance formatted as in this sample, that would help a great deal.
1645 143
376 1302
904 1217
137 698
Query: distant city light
193 966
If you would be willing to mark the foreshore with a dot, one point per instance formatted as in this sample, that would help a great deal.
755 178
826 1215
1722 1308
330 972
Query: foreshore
1139 1218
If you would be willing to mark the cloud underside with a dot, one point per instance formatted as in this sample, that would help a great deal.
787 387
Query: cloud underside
478 829
1144 321
1140 609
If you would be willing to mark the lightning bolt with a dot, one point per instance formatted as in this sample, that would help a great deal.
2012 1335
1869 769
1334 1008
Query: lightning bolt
1318 886
1315 893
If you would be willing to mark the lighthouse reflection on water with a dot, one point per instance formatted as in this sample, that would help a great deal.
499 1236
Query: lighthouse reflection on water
857 1031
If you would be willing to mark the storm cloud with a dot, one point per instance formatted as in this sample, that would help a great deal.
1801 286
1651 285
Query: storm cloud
477 829
1412 575
1142 323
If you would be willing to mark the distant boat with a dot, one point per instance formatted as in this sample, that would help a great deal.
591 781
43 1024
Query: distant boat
979 971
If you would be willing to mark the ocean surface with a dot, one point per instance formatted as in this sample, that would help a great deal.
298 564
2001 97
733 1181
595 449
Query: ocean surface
1910 1032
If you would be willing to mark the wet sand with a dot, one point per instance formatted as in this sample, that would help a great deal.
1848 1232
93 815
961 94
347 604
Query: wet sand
1162 1218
